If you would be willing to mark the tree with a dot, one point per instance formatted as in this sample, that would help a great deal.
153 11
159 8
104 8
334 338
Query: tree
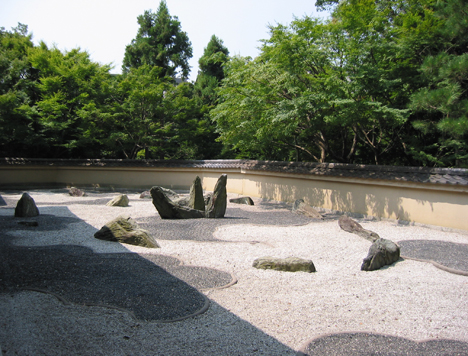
70 88
209 78
160 42
17 94
310 95
151 117
441 105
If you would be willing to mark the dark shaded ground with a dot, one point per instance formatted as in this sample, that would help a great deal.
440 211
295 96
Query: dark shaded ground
152 287
203 229
360 344
124 280
448 254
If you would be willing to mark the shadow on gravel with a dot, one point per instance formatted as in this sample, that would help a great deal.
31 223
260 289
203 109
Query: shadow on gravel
151 287
154 288
358 344
448 254
203 229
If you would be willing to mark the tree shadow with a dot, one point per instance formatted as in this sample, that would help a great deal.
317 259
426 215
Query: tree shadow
338 199
150 287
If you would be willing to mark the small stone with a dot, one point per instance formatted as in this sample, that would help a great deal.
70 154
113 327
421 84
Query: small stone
242 200
349 225
145 195
382 252
300 207
120 200
124 229
26 207
290 264
75 192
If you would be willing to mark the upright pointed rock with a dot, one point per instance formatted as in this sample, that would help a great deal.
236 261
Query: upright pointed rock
196 200
217 206
26 207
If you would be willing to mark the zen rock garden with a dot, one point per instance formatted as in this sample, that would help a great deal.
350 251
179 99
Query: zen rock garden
196 205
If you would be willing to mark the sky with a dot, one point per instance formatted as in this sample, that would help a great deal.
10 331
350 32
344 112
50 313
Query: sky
104 28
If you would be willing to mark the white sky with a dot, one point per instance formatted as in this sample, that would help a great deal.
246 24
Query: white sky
104 27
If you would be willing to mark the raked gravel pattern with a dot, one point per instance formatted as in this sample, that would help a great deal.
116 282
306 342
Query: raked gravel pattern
265 313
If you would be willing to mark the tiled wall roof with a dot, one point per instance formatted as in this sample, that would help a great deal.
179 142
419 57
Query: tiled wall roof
449 176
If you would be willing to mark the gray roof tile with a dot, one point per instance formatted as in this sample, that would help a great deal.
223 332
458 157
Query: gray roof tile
444 176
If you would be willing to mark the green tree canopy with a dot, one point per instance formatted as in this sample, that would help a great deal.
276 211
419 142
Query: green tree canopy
441 106
17 93
160 42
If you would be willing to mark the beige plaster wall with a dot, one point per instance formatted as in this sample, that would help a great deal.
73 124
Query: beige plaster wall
428 204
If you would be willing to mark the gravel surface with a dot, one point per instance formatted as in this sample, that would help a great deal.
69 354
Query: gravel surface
265 313
448 254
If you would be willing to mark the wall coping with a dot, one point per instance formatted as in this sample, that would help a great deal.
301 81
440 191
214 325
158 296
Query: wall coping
439 176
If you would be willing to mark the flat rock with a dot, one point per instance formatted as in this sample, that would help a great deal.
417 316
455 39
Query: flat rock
349 225
383 252
290 264
124 229
167 209
217 205
26 207
120 200
242 200
300 207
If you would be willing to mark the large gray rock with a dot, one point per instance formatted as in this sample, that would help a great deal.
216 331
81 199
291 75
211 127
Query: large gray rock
242 200
26 207
75 192
120 200
382 252
299 207
290 264
349 225
125 230
167 209
217 205
196 200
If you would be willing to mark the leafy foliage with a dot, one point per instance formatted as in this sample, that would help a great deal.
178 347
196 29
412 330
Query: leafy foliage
380 82
17 93
160 42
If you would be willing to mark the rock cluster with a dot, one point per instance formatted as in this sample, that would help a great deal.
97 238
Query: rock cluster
195 206
382 252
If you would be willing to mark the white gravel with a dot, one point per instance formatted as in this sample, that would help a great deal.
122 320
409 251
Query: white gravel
265 313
